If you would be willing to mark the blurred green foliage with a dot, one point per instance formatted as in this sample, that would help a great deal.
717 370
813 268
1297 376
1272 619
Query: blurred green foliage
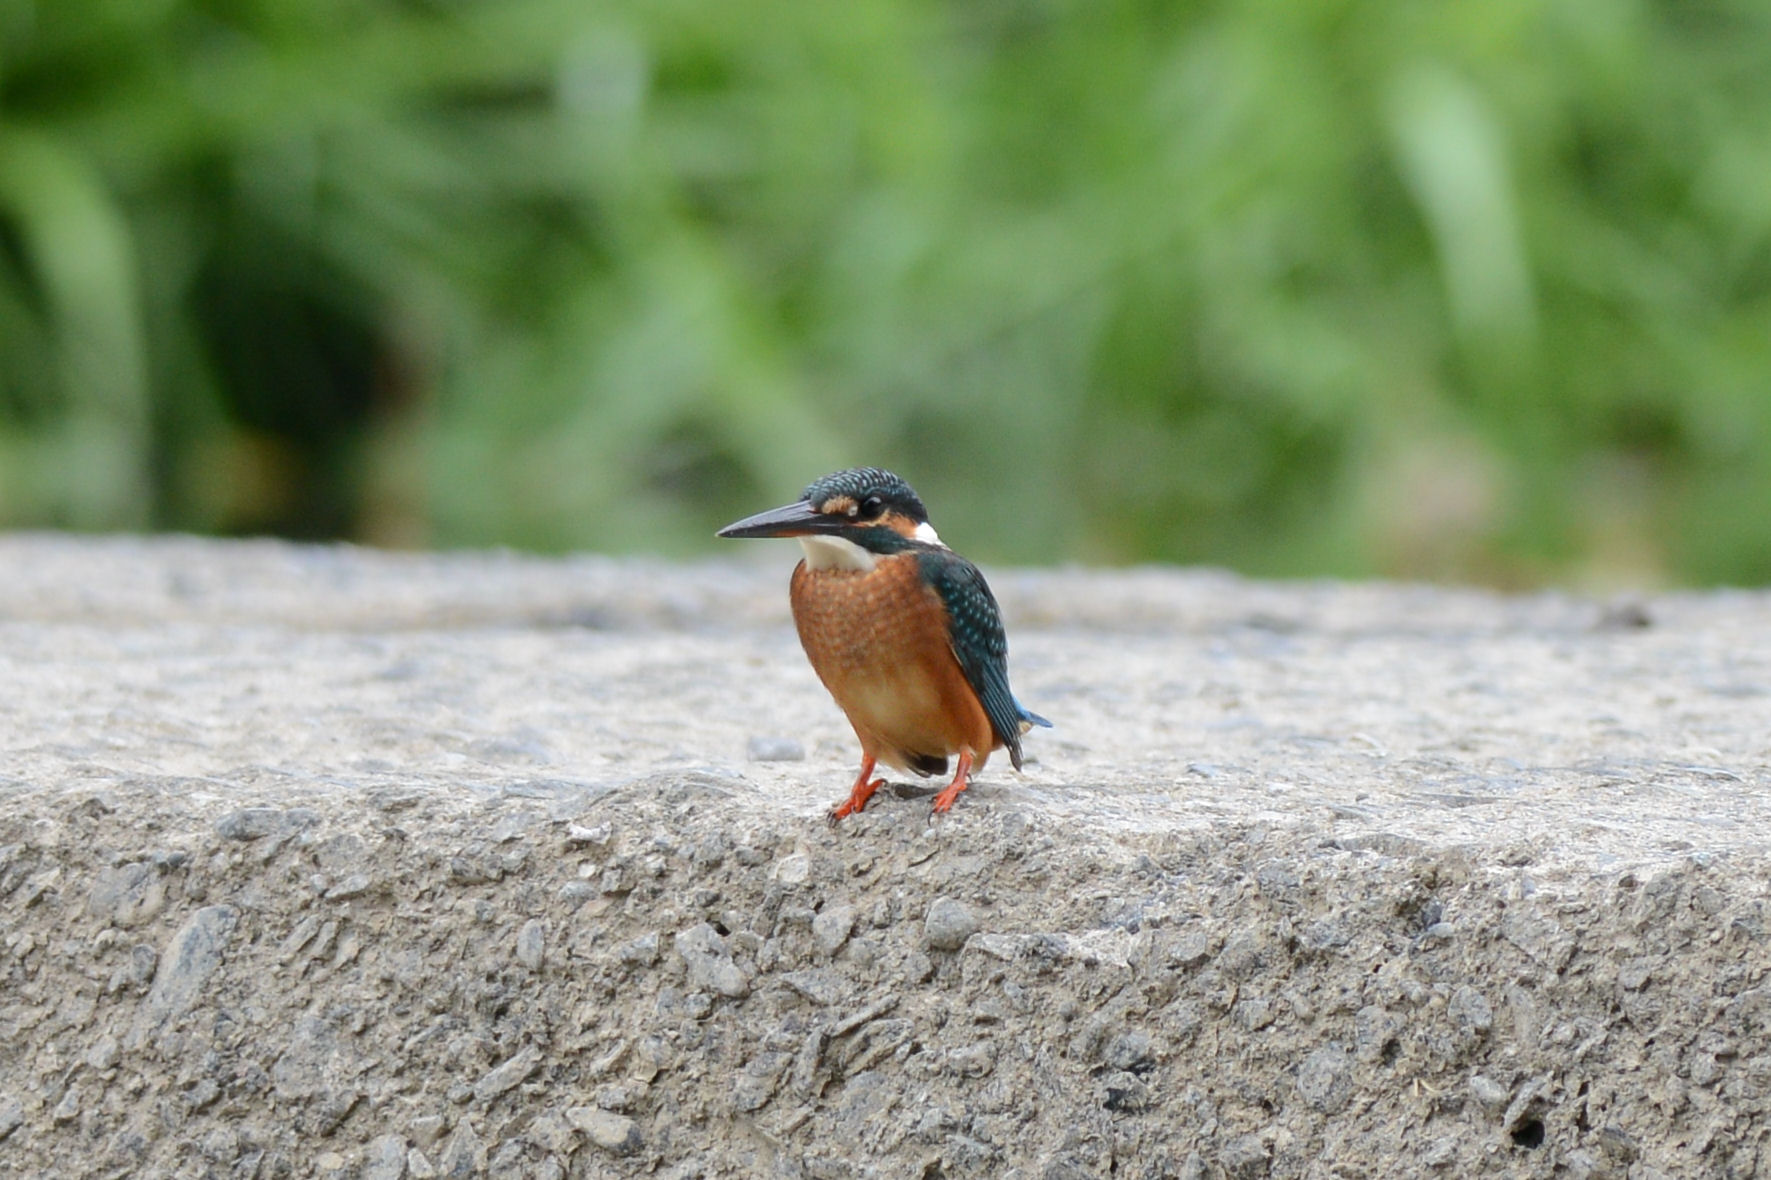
1340 286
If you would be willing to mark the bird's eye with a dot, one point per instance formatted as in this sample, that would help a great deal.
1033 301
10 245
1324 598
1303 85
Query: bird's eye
872 506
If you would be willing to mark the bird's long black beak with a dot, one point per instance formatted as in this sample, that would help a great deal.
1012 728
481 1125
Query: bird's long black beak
798 519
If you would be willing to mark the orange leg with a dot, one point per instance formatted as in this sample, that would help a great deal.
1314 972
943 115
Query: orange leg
961 778
863 790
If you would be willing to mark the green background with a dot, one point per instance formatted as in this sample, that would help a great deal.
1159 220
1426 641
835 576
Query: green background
1425 289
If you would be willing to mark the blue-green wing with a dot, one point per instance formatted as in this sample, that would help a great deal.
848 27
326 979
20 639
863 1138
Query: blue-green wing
978 641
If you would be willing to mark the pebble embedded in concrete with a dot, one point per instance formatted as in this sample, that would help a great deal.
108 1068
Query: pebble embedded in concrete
1324 1079
531 941
384 1158
509 1074
252 823
831 927
948 924
709 961
426 1130
614 1133
191 956
464 1155
1487 1091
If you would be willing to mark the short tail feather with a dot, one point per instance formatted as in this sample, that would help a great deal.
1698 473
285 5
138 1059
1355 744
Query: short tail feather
1029 718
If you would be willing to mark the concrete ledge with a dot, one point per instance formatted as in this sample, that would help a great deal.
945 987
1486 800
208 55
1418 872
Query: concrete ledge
320 862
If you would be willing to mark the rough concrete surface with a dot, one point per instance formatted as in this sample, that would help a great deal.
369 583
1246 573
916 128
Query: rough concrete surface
322 862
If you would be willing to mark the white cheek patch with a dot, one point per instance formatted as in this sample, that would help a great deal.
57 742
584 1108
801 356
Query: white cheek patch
835 553
925 532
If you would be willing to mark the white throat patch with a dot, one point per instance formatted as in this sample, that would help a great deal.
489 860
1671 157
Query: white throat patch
836 553
925 532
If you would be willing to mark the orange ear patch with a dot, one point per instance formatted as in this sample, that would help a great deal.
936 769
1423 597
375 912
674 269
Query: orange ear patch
900 524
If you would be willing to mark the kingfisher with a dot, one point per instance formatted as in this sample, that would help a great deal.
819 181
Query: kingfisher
903 631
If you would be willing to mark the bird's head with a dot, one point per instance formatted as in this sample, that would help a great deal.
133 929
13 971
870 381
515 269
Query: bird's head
847 519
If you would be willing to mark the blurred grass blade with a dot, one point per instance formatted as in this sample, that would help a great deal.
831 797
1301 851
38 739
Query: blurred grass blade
1452 152
78 248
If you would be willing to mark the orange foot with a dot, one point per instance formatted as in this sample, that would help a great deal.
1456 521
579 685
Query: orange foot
961 779
862 791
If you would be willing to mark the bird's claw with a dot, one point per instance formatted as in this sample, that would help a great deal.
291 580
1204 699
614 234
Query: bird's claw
962 779
856 801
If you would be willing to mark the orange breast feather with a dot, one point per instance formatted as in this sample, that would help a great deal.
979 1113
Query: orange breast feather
878 640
